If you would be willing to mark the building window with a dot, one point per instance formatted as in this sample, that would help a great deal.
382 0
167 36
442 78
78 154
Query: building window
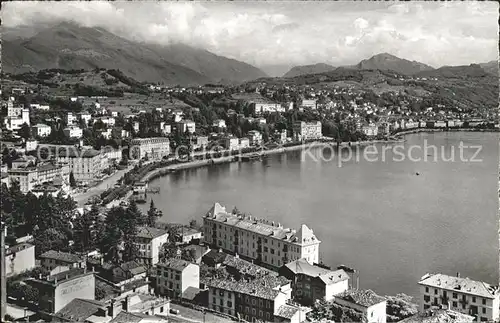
247 309
426 307
253 311
221 293
427 298
253 301
484 310
221 302
265 249
261 314
272 251
473 299
229 304
484 301
268 316
455 295
454 304
214 301
260 303
268 305
214 291
177 277
161 309
435 291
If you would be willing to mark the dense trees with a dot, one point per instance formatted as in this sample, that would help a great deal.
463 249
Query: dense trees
400 307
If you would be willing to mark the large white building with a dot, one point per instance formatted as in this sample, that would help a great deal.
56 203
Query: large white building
186 125
156 148
16 121
174 276
73 132
266 107
463 295
264 241
149 242
311 104
307 130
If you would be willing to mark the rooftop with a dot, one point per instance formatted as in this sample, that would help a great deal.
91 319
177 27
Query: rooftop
301 266
256 288
61 256
56 279
18 247
150 232
288 311
125 317
439 316
78 310
463 285
174 263
274 230
246 268
364 298
133 267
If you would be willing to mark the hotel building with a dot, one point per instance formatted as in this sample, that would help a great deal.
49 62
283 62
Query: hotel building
155 148
307 130
264 241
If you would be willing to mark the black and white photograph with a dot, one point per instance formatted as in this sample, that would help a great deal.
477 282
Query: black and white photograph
250 161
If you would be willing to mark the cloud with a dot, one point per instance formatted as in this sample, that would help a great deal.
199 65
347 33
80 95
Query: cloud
291 33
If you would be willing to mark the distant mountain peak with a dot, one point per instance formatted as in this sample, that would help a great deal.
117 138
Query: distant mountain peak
309 69
386 61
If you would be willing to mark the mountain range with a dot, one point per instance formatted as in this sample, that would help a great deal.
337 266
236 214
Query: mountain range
69 46
388 62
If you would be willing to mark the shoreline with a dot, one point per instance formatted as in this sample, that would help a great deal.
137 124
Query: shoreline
166 170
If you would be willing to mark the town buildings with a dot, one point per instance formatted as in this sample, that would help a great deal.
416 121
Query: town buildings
52 259
255 137
41 130
154 148
311 282
310 104
184 126
16 121
230 143
149 242
307 130
58 290
29 177
73 132
186 235
366 302
260 299
244 142
463 295
265 242
174 276
266 107
439 315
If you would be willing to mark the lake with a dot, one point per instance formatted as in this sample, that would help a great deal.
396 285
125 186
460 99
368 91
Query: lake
378 215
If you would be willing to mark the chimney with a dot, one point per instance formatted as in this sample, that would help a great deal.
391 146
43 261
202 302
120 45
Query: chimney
101 261
126 303
112 309
458 274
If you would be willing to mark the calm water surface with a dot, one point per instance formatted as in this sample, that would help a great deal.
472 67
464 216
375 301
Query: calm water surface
377 216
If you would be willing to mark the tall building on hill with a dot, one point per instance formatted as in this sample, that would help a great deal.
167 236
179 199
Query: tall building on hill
261 240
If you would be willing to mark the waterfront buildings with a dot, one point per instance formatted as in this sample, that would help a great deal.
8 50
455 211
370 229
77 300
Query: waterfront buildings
58 290
230 143
366 302
29 177
244 142
155 148
52 259
264 241
174 276
311 282
186 235
41 130
149 242
463 295
307 130
255 137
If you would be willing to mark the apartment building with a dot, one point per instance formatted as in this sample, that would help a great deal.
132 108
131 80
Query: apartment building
310 104
311 282
52 259
70 118
29 177
264 241
85 117
56 291
41 130
463 295
174 276
219 124
244 142
15 122
149 242
373 306
258 300
266 107
307 130
230 143
370 130
155 148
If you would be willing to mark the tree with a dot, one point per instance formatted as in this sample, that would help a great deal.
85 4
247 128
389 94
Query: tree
400 307
24 131
153 215
72 181
50 239
193 224
88 230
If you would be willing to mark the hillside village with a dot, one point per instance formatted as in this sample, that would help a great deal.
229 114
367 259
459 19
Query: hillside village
72 247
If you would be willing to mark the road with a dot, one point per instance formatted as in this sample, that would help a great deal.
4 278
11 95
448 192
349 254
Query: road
191 315
108 182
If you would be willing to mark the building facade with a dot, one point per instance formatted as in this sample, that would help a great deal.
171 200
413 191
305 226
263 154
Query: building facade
155 148
149 242
19 258
307 130
41 130
52 259
174 276
265 242
85 164
463 295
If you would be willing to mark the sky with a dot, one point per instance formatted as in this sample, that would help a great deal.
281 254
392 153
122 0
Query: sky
289 33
